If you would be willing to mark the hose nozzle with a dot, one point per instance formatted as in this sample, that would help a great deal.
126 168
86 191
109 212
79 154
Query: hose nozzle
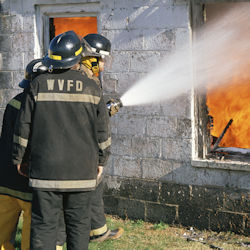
113 106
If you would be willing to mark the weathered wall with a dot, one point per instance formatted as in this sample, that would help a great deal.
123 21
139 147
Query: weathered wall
151 144
203 207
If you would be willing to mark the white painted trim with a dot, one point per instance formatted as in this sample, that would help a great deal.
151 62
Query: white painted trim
46 11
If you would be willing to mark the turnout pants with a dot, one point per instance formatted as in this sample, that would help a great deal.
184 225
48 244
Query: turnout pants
98 219
46 209
10 210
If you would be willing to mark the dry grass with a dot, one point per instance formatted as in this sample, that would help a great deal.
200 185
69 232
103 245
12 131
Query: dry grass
140 235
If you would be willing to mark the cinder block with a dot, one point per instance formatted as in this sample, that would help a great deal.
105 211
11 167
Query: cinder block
10 61
131 209
29 21
115 18
184 173
162 127
173 193
177 149
110 204
179 106
193 216
120 61
159 39
17 23
182 37
240 180
147 110
131 124
236 200
139 189
16 6
139 3
128 80
112 185
6 95
29 7
17 78
155 168
23 42
206 197
156 212
121 145
4 7
159 17
127 167
1 116
5 43
6 80
125 208
108 169
146 147
145 61
227 221
184 128
124 39
109 83
5 23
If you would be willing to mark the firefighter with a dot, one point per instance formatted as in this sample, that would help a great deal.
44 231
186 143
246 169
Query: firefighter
65 121
15 194
96 55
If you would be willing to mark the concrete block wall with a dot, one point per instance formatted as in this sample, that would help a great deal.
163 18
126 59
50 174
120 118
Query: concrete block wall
16 48
149 141
202 207
151 144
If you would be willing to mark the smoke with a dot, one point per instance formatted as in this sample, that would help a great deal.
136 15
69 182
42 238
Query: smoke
221 48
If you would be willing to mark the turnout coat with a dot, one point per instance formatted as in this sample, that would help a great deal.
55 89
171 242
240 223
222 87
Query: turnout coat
65 121
11 182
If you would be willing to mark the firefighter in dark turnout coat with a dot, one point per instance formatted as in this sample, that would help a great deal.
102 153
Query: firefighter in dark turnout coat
64 118
95 56
15 194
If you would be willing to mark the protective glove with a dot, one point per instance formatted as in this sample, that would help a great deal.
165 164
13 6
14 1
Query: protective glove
113 106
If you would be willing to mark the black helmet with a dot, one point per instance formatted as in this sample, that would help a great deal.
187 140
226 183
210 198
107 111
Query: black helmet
33 69
64 51
95 45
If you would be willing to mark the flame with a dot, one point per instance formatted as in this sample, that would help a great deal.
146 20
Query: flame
232 101
81 25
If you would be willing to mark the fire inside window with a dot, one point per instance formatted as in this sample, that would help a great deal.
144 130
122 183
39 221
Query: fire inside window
229 113
81 25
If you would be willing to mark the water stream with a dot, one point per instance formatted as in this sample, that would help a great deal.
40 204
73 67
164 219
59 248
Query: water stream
220 47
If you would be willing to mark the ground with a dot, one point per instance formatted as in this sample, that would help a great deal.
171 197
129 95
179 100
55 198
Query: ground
143 235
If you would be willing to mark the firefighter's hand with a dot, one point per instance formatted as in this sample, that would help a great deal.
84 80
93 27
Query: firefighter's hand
114 110
23 169
99 172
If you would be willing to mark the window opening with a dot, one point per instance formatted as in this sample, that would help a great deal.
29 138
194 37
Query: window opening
81 25
229 109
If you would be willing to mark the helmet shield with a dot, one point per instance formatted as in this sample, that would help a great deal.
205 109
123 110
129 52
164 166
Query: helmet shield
32 70
95 45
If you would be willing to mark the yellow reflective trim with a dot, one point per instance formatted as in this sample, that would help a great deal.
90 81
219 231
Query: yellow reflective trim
66 97
55 57
21 141
105 144
15 103
62 184
78 51
16 194
99 231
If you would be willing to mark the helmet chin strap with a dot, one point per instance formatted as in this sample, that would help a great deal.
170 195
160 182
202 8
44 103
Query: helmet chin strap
92 64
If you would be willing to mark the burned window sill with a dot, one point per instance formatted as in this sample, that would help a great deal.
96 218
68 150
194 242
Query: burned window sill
218 164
